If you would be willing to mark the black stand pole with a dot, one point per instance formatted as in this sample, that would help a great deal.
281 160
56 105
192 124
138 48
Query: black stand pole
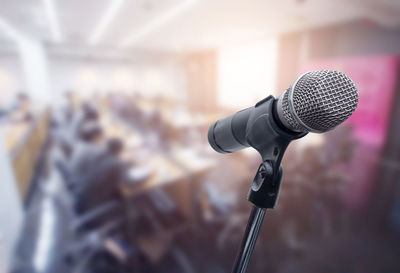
249 240
263 194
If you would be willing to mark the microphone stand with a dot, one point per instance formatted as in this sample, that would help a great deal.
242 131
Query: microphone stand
265 134
263 194
249 240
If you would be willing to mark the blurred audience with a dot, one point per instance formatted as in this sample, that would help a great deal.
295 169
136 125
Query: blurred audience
106 150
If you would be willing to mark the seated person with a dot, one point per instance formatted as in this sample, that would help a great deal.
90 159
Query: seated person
103 181
20 110
76 128
85 153
88 114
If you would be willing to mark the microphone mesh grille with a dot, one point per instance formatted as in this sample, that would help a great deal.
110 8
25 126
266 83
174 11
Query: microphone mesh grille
321 101
287 114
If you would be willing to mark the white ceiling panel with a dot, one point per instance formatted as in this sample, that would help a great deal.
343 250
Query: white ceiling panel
205 24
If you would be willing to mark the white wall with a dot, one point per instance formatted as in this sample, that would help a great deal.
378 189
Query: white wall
88 76
25 67
11 77
34 63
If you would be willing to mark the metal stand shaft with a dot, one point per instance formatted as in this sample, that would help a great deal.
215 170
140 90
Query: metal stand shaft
249 240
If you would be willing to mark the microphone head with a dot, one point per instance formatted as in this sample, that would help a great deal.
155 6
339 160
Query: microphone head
318 101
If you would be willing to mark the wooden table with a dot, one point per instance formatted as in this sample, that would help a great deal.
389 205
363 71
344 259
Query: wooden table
192 161
165 172
176 173
24 141
14 134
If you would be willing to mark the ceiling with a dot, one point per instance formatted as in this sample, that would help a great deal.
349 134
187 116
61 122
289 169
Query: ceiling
181 25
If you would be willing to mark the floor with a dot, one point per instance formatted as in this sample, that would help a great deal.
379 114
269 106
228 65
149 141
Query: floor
45 232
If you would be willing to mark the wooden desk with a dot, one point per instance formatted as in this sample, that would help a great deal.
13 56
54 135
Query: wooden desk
112 126
172 180
192 161
178 174
165 172
146 106
115 128
14 135
24 141
196 167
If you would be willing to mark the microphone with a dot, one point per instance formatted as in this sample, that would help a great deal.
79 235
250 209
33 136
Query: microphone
317 101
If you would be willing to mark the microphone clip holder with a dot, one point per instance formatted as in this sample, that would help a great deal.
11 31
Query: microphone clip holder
266 185
268 136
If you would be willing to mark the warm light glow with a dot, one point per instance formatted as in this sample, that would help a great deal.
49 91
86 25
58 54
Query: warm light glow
122 79
87 80
158 22
53 19
246 73
108 16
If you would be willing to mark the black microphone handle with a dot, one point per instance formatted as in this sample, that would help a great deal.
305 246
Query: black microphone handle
228 135
257 126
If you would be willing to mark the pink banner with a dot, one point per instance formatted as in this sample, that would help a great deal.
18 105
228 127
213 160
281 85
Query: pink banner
376 79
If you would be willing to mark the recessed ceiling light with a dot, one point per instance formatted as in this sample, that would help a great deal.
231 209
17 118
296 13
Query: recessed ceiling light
108 16
52 17
158 22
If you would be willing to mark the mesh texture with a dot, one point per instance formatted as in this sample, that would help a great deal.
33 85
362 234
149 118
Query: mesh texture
321 100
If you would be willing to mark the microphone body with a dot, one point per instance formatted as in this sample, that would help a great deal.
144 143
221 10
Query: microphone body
257 126
228 135
317 102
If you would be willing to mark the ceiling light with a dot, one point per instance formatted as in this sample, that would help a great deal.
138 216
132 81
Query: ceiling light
108 16
153 25
53 20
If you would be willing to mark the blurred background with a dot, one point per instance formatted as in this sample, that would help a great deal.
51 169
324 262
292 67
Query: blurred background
104 111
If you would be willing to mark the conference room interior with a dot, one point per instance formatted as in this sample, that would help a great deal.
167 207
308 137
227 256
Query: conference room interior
104 158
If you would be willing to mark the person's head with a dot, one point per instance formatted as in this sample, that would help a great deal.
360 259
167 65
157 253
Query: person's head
23 100
115 146
90 112
91 132
92 115
22 96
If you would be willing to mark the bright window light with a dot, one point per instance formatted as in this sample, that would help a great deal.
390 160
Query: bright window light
107 18
53 19
246 73
160 21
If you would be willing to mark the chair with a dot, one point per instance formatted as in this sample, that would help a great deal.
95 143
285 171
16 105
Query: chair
103 239
89 240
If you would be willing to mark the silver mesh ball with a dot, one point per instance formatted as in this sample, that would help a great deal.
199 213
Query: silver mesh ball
319 101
